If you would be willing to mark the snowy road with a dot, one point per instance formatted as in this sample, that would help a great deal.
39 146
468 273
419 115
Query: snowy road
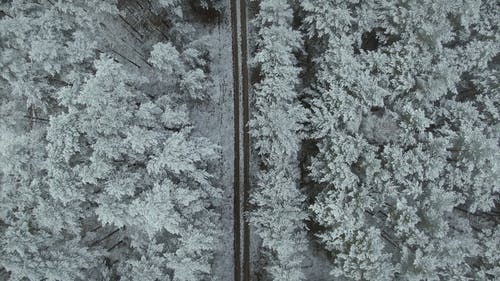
241 141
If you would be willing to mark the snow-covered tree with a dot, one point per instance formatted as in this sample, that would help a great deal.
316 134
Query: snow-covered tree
87 154
180 71
406 114
132 156
278 215
38 255
45 46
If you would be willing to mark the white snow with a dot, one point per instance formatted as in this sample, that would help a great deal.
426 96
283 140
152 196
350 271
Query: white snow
213 119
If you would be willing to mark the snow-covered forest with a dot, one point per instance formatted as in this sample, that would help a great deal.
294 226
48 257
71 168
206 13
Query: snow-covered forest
374 138
100 176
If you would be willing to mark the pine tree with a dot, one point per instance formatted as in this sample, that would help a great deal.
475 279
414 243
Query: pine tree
45 46
276 123
86 153
132 156
180 71
405 113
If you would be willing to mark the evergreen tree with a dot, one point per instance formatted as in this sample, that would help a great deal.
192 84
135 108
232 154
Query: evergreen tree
276 123
131 156
405 112
45 46
87 155
180 71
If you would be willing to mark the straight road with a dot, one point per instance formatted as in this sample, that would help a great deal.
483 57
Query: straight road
241 140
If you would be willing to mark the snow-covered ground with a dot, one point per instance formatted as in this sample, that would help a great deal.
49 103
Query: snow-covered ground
213 119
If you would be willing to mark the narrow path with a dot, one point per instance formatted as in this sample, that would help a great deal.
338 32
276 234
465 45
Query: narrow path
241 131
246 139
236 95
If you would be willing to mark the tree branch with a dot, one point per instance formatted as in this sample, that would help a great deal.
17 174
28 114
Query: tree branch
104 238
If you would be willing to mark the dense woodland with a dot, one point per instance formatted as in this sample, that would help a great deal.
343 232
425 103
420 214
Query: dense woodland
278 118
100 176
375 125
401 137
